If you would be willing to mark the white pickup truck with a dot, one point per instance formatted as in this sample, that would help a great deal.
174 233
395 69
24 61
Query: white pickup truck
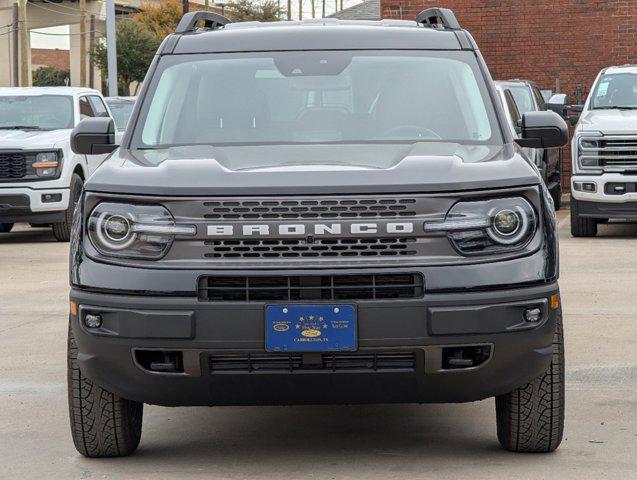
40 176
604 152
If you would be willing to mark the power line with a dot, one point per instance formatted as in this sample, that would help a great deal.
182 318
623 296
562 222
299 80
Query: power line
66 34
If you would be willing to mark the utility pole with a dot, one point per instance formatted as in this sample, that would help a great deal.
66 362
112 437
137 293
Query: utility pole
322 8
91 46
111 48
313 10
82 43
289 9
24 45
300 9
341 5
16 52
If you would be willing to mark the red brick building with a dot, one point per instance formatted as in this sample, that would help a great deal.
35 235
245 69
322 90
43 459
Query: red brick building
559 44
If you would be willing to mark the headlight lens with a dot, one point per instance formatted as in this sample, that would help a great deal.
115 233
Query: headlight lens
47 164
134 231
489 226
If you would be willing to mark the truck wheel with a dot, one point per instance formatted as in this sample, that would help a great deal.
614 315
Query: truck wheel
62 230
531 418
5 227
581 226
102 424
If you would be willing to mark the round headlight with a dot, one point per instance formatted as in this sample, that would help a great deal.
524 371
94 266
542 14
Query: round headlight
506 222
117 228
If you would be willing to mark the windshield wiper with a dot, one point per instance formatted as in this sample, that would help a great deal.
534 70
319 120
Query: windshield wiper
615 107
20 127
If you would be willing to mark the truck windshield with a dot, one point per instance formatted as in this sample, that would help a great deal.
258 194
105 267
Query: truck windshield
121 110
36 112
615 91
317 97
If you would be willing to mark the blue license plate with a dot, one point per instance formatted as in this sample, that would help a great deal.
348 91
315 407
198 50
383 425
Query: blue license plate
310 328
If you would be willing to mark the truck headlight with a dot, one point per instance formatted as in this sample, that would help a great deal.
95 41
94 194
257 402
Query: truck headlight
47 164
134 231
586 152
488 226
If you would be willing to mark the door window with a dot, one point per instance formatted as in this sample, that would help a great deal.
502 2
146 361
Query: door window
86 111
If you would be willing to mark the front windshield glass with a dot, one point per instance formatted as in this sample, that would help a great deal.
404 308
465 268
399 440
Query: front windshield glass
121 111
31 112
317 97
618 90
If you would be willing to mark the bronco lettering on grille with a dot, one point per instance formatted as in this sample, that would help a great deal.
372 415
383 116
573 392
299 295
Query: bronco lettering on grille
317 229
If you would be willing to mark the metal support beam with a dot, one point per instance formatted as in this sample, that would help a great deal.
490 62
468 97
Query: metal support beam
25 81
111 48
15 71
82 5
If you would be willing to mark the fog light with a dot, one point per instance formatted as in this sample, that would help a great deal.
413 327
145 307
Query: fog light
92 320
51 197
585 187
532 315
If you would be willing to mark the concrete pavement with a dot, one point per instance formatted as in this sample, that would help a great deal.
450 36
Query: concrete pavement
599 291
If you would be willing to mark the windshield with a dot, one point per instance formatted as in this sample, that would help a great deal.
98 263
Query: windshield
41 112
121 111
618 90
317 98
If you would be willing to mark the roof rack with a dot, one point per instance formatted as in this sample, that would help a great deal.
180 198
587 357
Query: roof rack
440 18
211 21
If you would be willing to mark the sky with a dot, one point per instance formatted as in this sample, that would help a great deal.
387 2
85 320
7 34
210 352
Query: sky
60 38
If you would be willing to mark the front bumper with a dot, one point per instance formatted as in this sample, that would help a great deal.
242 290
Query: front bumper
25 204
603 184
423 327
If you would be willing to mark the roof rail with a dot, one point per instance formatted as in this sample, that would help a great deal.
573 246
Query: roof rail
441 18
211 21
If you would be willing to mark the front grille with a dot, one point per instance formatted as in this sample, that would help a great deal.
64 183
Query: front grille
613 152
319 363
13 165
273 209
345 247
284 288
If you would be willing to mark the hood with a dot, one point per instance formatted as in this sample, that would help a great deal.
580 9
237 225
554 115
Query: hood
609 122
32 139
312 169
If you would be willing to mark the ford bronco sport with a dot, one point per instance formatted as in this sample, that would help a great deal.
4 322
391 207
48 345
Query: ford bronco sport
319 212
40 177
604 153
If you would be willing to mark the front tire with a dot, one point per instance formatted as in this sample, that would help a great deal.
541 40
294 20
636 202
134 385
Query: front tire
581 226
102 424
5 227
62 230
531 418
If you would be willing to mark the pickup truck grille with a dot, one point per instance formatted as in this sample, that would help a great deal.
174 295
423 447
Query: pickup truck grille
231 288
611 153
326 362
13 165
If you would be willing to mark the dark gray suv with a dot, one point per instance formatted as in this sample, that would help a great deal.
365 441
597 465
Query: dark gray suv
320 212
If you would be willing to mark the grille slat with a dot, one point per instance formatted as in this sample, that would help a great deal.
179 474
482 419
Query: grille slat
311 209
329 362
617 152
13 165
309 287
319 248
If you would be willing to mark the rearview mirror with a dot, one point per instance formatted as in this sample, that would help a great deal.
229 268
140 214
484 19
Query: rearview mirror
94 136
545 129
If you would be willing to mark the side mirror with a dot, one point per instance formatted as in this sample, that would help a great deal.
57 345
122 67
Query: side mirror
543 129
94 136
559 104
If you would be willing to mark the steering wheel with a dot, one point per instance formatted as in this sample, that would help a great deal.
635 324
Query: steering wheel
411 131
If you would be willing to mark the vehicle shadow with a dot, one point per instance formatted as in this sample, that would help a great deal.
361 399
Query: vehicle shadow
313 437
23 233
617 229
